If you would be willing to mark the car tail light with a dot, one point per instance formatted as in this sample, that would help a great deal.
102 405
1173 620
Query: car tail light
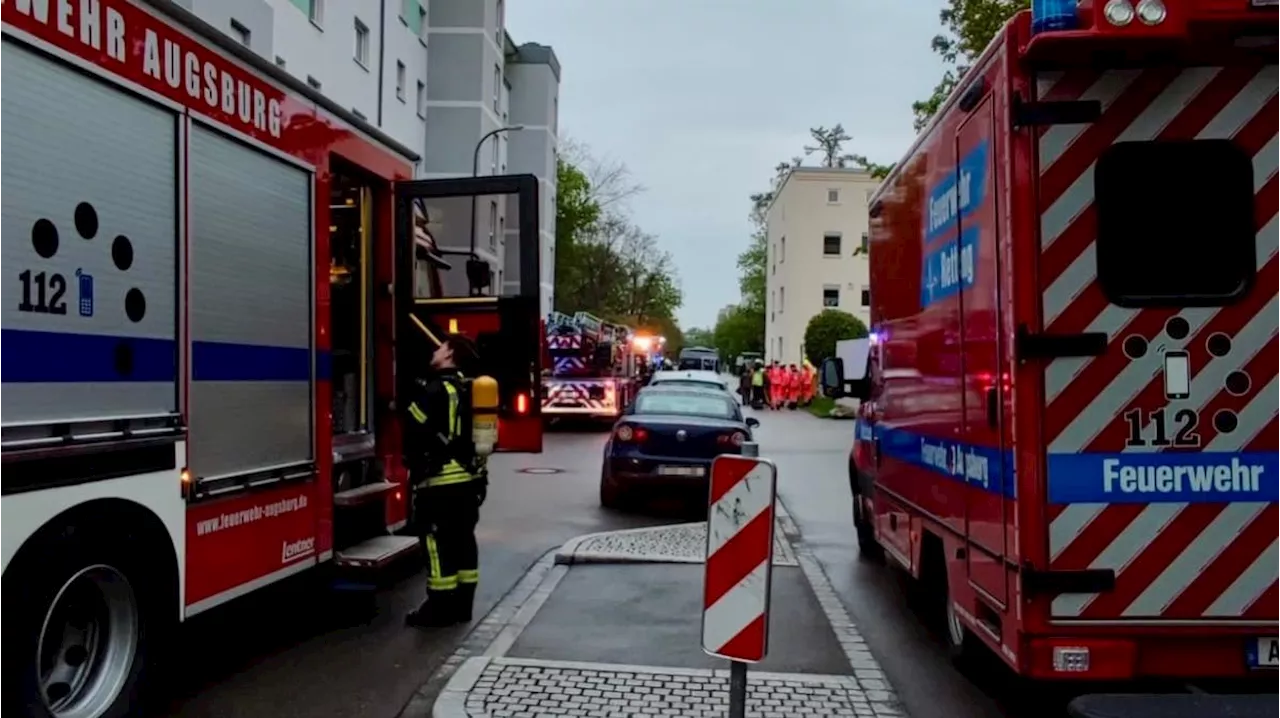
733 438
522 403
627 432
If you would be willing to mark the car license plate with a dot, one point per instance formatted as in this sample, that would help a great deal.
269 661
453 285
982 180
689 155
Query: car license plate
681 471
1263 652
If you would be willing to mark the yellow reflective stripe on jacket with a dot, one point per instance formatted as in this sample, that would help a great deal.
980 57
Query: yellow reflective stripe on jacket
454 429
469 575
417 413
452 473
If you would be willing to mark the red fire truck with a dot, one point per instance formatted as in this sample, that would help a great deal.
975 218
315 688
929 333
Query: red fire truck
592 367
1069 417
216 279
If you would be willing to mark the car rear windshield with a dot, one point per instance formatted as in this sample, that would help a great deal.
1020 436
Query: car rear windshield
689 404
1175 223
690 382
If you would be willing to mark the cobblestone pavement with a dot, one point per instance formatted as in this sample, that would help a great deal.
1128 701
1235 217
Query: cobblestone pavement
520 688
679 543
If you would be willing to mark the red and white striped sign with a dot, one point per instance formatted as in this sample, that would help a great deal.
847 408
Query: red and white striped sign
739 568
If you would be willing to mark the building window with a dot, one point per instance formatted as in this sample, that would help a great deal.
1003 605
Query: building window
494 163
831 244
865 244
362 44
422 100
280 62
782 299
773 269
830 297
314 10
782 250
240 32
866 296
833 196
315 84
497 33
400 70
497 88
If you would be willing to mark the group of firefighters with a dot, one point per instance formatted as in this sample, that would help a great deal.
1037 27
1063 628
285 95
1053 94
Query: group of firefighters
777 386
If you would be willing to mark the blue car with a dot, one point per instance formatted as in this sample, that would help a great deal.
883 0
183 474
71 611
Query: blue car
665 440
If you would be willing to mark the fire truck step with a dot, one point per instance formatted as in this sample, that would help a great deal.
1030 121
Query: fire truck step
362 494
375 552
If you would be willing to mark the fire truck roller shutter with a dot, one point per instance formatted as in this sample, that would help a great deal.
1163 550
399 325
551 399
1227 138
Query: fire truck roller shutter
90 235
251 308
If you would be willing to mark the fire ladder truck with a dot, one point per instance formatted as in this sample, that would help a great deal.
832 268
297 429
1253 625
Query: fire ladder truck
220 283
592 367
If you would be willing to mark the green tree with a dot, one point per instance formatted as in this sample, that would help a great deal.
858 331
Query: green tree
828 327
970 27
604 263
699 337
739 328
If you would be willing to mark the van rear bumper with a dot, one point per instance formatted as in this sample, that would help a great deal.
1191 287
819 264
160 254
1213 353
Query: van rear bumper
1112 656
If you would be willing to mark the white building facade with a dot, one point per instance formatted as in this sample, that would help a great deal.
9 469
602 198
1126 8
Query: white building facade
436 76
817 228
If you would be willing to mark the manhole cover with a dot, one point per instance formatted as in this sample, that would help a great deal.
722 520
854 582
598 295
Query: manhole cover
541 470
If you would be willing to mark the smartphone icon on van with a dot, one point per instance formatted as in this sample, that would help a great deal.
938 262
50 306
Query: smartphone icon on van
1177 375
85 293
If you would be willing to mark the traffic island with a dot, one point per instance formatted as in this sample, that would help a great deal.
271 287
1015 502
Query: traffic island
624 640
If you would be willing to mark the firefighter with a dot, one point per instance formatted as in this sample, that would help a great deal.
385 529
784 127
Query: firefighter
757 386
448 482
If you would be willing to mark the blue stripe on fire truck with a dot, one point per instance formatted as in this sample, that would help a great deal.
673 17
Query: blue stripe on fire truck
981 467
1163 477
62 357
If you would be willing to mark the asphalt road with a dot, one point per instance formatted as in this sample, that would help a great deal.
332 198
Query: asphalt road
812 458
296 651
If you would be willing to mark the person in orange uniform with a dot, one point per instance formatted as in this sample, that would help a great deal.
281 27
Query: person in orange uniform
806 383
776 385
793 386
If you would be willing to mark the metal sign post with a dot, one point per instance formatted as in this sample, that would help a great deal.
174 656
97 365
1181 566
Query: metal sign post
739 566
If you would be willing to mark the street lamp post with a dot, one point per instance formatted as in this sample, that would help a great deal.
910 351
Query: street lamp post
475 172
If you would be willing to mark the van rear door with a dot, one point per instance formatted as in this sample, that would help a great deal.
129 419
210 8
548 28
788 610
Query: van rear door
1158 241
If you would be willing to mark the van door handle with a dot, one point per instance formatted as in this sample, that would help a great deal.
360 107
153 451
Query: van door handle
875 448
993 408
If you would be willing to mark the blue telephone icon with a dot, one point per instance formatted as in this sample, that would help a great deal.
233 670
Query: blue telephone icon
86 293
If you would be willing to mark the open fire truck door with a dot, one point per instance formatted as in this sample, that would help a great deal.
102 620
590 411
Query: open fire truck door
444 288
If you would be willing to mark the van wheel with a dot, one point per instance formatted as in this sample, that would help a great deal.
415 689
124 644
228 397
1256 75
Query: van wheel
868 548
82 628
962 645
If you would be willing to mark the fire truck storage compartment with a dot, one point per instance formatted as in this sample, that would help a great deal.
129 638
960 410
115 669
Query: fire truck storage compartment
251 309
90 226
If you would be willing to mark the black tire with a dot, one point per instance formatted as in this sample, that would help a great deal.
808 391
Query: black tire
868 548
612 496
76 573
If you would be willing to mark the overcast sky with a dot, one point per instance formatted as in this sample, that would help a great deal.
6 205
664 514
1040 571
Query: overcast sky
701 98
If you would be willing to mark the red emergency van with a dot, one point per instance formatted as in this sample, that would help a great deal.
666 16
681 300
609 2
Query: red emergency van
1069 417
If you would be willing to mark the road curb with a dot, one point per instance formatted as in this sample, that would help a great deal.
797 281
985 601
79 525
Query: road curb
576 551
502 626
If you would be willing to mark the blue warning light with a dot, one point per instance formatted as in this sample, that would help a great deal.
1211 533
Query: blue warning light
1053 15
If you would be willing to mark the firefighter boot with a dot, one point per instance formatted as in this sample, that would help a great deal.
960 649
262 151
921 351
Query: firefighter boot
466 600
438 611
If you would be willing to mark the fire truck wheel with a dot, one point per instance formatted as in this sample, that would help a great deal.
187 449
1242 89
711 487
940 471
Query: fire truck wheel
82 624
868 548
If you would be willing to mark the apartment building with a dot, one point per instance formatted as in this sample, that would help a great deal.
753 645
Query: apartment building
437 76
479 81
817 231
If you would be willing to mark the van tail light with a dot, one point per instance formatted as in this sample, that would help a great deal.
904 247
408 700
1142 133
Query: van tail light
522 403
631 434
733 438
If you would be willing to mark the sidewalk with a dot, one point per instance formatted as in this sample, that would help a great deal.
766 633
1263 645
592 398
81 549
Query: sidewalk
613 628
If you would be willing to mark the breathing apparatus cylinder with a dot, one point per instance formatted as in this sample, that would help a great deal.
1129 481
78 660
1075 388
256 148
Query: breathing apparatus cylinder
484 414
